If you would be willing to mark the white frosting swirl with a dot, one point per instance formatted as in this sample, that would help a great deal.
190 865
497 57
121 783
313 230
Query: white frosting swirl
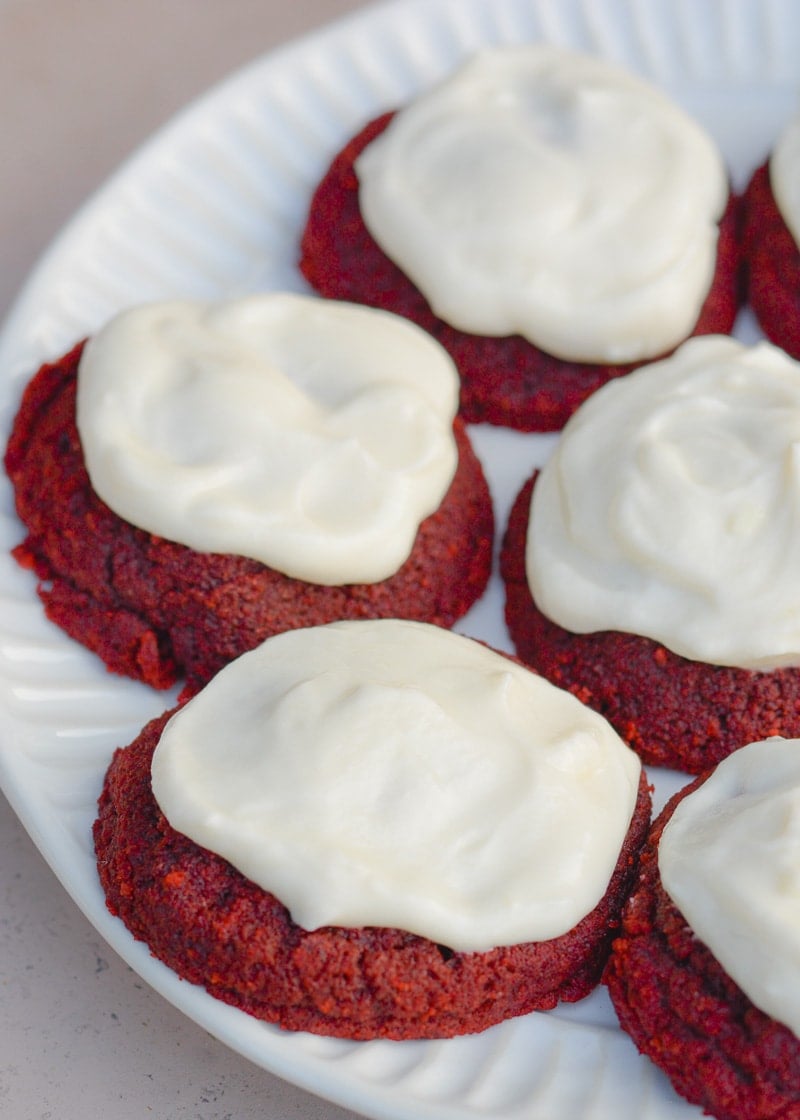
551 194
729 858
389 773
671 508
310 435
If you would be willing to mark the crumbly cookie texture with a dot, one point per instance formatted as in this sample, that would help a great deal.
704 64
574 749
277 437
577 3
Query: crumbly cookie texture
156 610
771 264
673 711
215 927
686 1014
506 381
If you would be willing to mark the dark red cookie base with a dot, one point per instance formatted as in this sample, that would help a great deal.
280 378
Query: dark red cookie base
674 712
216 928
505 381
771 262
686 1014
154 610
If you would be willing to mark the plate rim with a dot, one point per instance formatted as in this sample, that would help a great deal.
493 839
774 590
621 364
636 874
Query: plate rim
373 1099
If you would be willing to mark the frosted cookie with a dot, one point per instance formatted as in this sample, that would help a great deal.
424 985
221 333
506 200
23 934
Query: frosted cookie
704 974
652 568
770 232
200 476
551 219
368 830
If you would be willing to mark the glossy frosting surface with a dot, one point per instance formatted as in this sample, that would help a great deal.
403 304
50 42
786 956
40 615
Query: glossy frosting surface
548 193
396 774
310 435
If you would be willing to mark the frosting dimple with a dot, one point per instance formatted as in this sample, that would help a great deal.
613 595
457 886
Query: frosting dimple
729 858
312 436
395 774
548 193
671 508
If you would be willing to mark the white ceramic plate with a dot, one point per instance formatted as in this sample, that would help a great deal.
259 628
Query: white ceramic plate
213 205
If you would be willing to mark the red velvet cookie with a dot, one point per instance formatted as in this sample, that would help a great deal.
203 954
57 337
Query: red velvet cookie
672 711
155 610
688 1016
214 927
505 381
771 262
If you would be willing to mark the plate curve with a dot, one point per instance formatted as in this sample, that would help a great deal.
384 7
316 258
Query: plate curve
213 205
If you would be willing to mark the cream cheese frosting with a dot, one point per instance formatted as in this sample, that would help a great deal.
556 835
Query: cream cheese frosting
729 858
310 435
395 774
549 193
670 508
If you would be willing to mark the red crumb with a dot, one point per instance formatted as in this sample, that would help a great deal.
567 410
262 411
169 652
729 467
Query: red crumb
771 262
155 610
216 928
674 712
505 381
688 1016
